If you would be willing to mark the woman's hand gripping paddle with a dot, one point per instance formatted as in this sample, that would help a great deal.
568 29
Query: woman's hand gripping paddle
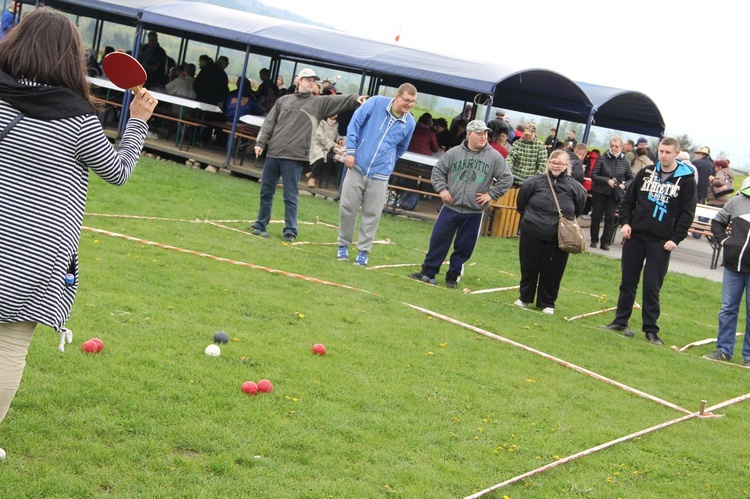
124 71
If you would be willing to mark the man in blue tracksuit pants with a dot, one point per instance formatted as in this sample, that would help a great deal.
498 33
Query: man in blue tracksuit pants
378 134
463 177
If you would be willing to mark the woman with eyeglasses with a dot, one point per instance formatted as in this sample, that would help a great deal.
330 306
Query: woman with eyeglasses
542 261
612 175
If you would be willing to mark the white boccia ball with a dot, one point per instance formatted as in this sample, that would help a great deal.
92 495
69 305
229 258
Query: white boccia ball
213 350
2 455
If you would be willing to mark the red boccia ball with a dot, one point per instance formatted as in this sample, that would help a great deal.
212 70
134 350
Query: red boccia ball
265 386
319 349
99 344
89 347
249 387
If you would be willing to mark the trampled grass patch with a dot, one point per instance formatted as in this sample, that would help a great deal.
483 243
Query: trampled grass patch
403 403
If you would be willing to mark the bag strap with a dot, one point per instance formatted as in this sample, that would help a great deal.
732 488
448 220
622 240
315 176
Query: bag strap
552 188
10 126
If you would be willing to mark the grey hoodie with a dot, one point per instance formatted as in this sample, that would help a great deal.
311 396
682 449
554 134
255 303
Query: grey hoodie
465 173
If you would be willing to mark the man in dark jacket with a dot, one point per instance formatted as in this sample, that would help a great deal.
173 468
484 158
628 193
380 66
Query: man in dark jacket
576 155
153 58
611 176
656 213
287 133
705 168
212 87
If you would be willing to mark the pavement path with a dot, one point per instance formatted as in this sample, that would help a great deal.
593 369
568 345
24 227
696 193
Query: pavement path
692 256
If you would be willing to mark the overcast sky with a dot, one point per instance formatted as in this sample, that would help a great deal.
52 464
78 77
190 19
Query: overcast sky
686 56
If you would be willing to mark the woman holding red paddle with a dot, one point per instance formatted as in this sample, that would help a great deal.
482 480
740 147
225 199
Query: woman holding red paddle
50 137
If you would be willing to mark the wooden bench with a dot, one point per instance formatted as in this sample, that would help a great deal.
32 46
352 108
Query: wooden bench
243 133
164 114
393 189
182 125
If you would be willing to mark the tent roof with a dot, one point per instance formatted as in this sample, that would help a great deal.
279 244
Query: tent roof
116 11
535 91
624 110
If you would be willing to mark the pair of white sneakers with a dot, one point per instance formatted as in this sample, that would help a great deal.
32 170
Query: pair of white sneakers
546 310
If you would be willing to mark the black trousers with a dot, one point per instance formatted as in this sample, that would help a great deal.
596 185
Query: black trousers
542 269
634 252
602 205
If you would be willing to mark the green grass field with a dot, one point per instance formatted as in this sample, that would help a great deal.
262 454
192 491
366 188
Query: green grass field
402 405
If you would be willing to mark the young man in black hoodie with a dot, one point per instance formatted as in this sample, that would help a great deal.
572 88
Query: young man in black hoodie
656 213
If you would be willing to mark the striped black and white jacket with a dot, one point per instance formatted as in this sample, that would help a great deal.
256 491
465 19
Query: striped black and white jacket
44 166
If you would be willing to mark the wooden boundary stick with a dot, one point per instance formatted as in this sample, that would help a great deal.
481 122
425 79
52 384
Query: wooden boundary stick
605 445
597 312
222 259
700 342
467 291
550 357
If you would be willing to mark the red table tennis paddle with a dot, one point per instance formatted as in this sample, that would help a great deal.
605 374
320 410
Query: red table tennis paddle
124 71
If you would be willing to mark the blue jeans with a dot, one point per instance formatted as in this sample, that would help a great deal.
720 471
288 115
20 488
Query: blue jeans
289 171
735 283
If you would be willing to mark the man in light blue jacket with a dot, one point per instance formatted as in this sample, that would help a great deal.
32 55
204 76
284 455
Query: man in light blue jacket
378 134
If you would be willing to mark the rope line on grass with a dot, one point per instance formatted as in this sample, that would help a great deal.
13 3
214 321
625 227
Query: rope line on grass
227 260
550 357
699 414
197 220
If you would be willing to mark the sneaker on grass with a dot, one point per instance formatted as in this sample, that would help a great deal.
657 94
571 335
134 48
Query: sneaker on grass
429 280
416 275
654 339
548 311
613 326
261 233
719 355
361 258
520 304
451 284
343 253
288 238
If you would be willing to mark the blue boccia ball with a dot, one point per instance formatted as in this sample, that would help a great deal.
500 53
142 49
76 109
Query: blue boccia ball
221 337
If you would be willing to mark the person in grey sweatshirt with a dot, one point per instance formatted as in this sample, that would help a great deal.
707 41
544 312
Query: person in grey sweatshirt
464 179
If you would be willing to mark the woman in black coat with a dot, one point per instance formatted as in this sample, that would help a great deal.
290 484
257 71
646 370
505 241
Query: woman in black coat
611 176
542 261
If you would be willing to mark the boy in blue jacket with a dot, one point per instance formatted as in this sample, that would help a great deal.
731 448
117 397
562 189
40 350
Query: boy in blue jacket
378 134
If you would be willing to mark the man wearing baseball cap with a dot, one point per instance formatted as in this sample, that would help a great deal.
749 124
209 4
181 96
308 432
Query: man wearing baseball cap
285 136
467 177
528 156
705 168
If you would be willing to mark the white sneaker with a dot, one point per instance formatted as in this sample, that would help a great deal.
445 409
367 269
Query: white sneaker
519 303
549 311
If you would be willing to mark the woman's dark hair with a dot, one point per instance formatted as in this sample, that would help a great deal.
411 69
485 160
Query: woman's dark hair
46 47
